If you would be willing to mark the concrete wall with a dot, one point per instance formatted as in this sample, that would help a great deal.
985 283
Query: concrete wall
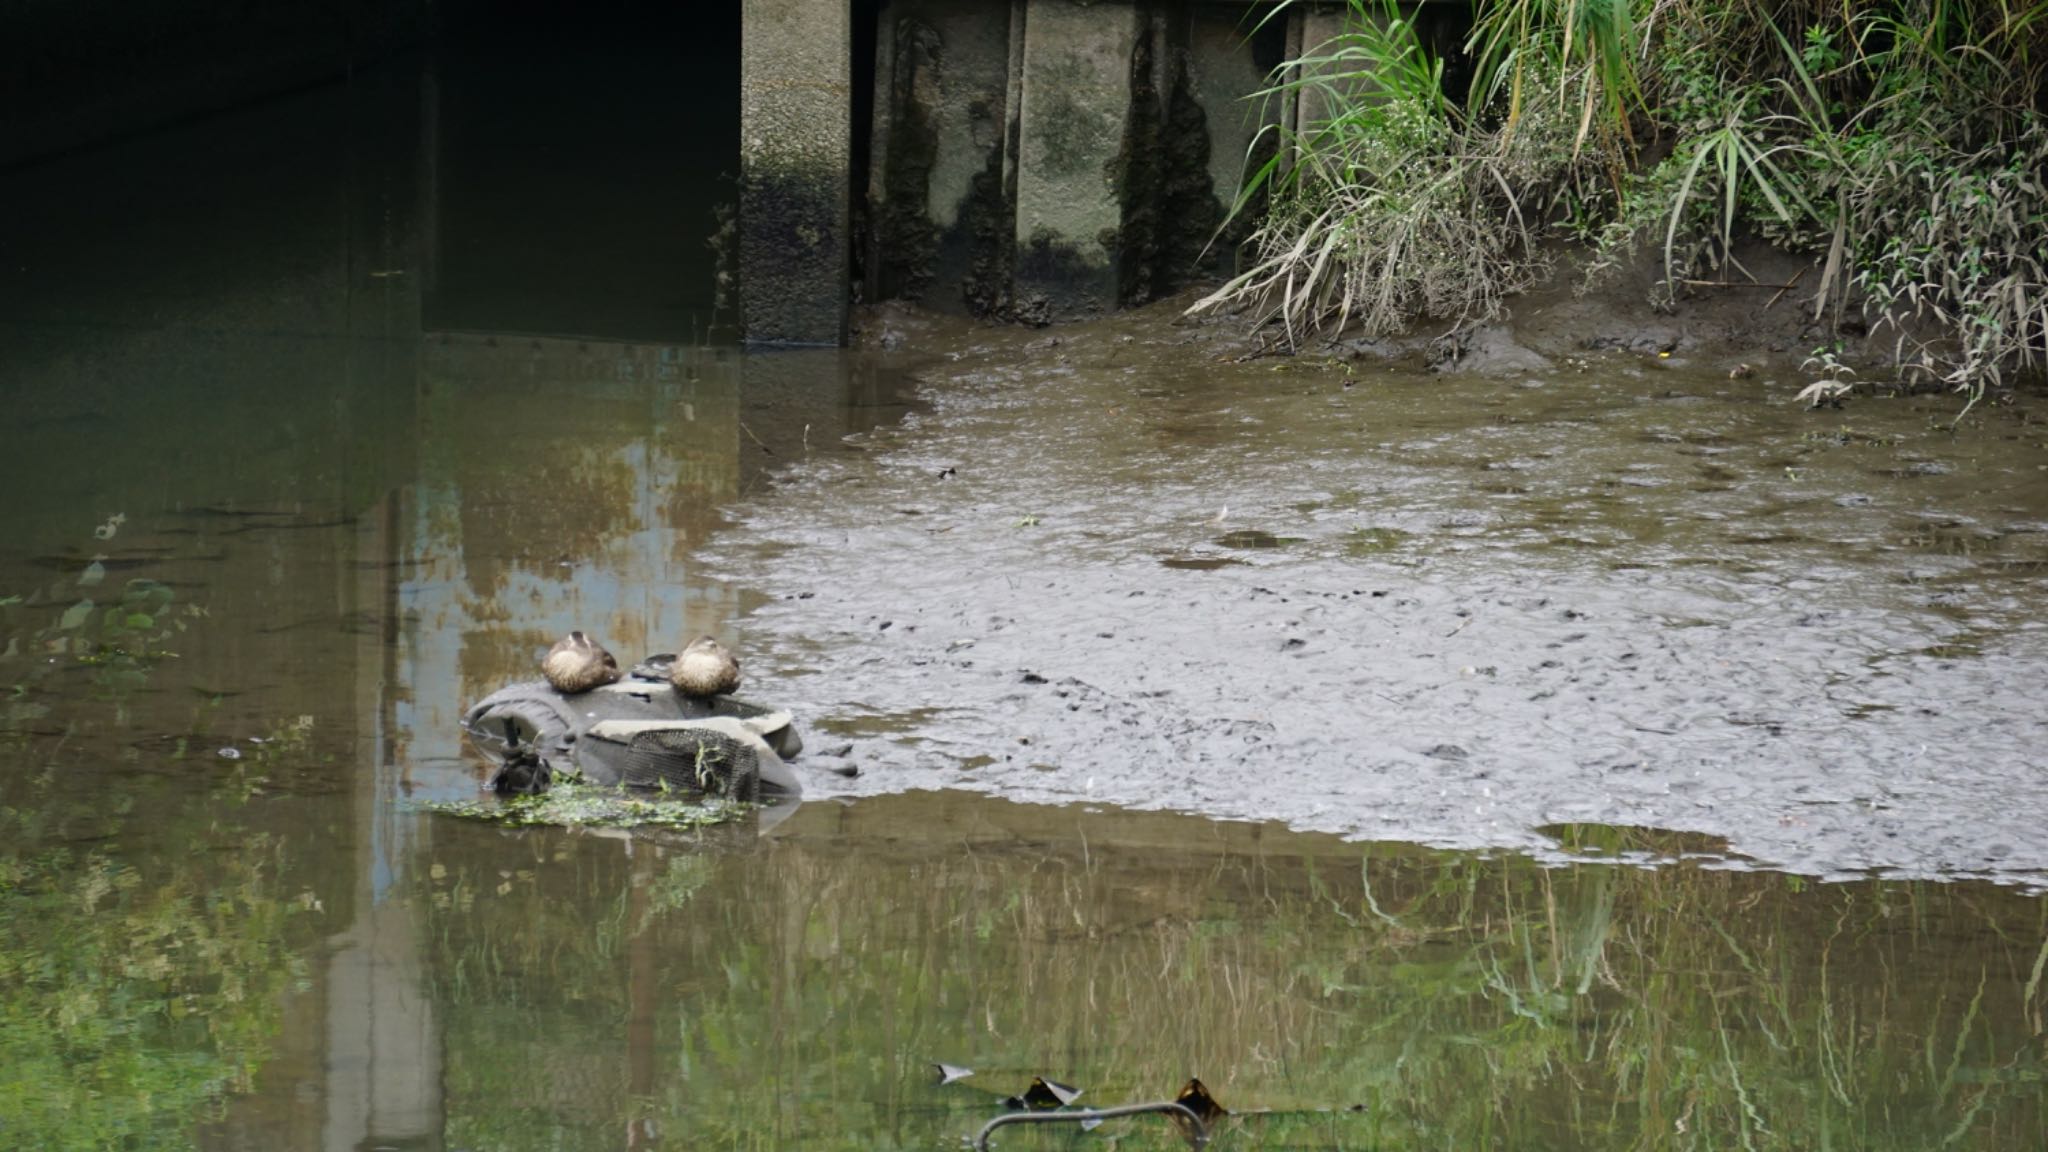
1044 160
1029 159
939 210
796 150
1076 96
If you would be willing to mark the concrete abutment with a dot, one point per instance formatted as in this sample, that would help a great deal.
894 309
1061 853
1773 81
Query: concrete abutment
1032 160
796 155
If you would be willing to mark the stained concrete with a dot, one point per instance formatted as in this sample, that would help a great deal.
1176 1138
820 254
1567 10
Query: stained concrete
1320 28
1075 96
1194 119
940 220
796 134
1224 72
1071 159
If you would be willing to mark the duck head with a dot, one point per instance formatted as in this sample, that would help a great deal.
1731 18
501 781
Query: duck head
705 668
577 664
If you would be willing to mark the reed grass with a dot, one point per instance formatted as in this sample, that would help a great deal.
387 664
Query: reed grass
1903 144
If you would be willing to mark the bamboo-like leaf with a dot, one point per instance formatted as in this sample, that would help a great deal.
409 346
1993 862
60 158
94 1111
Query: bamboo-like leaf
1679 200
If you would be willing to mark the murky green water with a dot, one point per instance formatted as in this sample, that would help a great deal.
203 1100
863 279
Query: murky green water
269 529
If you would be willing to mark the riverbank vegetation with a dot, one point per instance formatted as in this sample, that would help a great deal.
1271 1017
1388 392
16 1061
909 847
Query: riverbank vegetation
1902 144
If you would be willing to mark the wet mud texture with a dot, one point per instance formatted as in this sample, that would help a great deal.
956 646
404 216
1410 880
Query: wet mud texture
1113 565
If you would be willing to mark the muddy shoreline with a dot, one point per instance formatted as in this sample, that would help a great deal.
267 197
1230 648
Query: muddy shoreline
1118 563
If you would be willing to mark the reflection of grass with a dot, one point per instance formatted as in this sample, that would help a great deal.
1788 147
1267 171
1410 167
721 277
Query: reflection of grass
132 1003
122 636
798 992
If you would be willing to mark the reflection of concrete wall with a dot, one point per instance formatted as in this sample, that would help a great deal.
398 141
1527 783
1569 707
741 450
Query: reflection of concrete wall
800 402
382 1040
383 1066
358 1062
562 485
210 330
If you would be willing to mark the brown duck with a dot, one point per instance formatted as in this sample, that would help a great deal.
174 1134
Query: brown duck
705 668
577 664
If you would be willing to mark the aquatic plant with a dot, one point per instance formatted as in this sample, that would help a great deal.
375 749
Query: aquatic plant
119 633
1903 144
572 803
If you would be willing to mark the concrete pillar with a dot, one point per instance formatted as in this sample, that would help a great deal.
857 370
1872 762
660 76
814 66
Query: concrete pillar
1319 27
1224 73
1076 95
1290 109
796 126
940 223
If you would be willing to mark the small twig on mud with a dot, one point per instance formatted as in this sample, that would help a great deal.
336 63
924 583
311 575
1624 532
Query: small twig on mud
1462 625
1782 288
1785 289
757 439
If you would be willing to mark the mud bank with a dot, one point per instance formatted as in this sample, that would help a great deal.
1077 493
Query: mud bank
1117 565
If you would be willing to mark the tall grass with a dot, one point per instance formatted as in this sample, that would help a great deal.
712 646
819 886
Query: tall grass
1384 201
1903 144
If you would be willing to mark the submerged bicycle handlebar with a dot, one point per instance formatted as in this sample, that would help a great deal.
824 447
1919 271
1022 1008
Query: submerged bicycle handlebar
1198 1133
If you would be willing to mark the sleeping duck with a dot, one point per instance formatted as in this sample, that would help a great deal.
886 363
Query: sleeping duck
577 664
706 668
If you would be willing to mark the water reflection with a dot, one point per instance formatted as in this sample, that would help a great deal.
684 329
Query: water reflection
793 993
268 530
230 806
561 486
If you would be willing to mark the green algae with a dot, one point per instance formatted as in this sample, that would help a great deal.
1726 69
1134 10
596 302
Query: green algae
574 804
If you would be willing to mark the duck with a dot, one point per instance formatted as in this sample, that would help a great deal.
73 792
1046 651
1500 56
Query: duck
705 668
577 664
